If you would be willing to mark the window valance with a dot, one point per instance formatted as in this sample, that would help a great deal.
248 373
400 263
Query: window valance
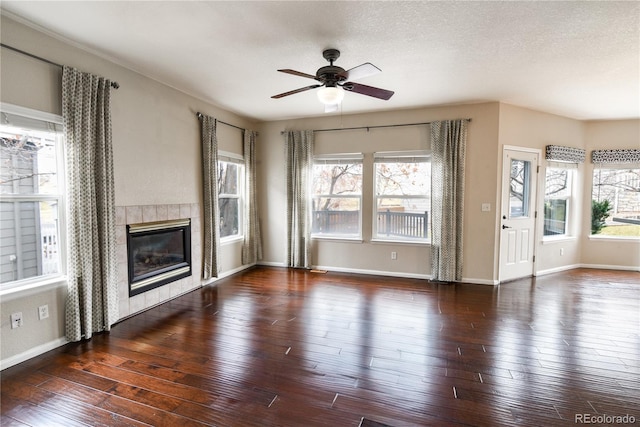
616 156
559 153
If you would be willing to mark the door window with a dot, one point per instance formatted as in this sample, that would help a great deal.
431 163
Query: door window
520 191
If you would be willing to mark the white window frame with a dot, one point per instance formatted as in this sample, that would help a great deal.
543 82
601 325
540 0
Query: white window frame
23 287
409 156
572 170
331 159
229 157
610 166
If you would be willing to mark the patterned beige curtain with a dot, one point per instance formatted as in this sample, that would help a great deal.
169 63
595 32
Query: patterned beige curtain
448 146
299 150
211 242
252 245
92 301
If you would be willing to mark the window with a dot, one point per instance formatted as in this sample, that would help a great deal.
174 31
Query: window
230 185
402 196
616 202
31 195
336 196
557 200
519 195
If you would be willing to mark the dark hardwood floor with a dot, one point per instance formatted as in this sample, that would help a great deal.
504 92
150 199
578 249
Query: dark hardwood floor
280 347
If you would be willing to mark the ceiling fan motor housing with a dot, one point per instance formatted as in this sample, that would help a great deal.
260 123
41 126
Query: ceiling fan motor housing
331 75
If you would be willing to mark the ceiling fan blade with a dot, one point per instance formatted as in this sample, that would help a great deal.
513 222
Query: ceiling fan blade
361 71
298 73
368 90
302 89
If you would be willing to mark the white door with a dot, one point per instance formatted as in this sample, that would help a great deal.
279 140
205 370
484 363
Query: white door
518 217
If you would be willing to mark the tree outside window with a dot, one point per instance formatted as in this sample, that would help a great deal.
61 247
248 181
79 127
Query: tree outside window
620 187
402 197
336 198
229 198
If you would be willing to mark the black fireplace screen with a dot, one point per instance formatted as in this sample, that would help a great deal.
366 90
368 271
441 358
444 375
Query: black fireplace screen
158 253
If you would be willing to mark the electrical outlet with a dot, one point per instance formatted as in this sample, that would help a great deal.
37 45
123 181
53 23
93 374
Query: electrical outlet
43 312
394 255
16 320
561 251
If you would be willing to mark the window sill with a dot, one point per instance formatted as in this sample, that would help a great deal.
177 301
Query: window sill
231 240
401 242
614 238
559 239
31 287
338 239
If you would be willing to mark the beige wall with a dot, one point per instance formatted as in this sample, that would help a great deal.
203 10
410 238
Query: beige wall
374 257
157 160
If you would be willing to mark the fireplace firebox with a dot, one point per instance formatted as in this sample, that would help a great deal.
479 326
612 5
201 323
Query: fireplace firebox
158 253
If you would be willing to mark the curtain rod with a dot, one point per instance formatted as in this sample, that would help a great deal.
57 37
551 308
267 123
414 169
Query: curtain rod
199 114
114 85
374 127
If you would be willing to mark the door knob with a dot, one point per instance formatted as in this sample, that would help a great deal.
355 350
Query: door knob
505 226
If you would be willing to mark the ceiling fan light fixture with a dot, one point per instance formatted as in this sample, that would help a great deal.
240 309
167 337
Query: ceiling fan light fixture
330 95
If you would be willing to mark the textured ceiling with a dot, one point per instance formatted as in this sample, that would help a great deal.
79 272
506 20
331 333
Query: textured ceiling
577 59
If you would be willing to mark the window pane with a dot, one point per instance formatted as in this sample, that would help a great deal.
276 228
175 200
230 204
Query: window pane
336 215
343 179
29 226
229 198
406 179
27 161
29 239
557 183
227 178
336 199
406 218
557 193
519 196
616 202
402 200
229 218
555 217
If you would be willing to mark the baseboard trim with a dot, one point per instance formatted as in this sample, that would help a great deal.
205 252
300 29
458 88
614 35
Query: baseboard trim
32 352
373 272
226 274
271 264
611 267
591 266
557 269
480 281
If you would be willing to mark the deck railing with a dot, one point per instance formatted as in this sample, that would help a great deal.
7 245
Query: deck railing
336 222
390 223
49 248
403 224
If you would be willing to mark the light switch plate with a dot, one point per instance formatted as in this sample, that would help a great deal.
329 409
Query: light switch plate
486 207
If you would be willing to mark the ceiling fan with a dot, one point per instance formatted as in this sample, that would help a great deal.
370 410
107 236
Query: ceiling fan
335 80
